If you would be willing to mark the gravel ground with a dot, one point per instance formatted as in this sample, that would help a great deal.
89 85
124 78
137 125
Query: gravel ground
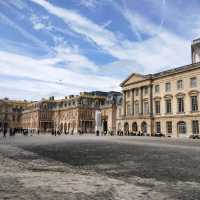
99 168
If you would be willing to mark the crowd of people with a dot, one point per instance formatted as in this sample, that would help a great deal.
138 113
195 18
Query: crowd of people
26 132
13 131
128 133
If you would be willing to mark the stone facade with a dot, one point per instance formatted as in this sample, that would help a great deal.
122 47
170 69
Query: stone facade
10 113
37 116
166 102
76 113
70 115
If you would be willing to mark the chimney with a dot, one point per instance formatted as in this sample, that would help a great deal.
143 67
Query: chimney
195 51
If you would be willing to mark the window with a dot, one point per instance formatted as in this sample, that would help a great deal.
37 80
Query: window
134 127
168 106
195 127
136 108
145 90
194 103
144 127
136 92
193 82
181 127
179 84
157 107
169 127
157 88
158 127
146 107
167 87
180 102
128 108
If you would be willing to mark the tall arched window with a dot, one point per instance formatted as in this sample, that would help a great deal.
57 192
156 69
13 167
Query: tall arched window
134 127
126 127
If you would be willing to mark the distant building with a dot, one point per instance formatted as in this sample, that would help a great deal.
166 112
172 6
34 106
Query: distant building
166 102
10 113
75 113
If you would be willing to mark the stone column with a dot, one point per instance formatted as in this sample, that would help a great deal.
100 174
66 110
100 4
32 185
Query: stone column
151 110
151 100
124 102
141 100
132 101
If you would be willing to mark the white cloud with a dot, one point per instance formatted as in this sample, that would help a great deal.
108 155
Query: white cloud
65 54
102 37
159 50
88 3
5 20
47 78
40 22
19 4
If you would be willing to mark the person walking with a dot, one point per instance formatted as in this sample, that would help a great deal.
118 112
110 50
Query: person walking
4 133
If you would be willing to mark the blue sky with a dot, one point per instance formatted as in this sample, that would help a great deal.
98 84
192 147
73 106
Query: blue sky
62 47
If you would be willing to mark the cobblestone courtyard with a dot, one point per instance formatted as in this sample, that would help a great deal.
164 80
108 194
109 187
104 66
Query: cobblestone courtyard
89 167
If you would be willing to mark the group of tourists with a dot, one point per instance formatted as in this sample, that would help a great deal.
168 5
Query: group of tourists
13 131
59 132
105 133
128 133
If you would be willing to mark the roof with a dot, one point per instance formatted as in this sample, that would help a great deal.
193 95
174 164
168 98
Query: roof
133 74
176 70
166 72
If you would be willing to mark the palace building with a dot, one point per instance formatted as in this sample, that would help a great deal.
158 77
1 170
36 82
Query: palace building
73 114
163 103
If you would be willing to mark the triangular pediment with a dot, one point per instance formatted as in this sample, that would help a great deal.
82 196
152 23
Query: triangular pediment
133 78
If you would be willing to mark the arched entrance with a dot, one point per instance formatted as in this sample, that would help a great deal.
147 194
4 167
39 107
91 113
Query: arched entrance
144 127
126 127
134 127
105 126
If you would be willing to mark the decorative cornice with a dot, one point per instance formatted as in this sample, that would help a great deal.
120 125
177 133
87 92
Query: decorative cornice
157 98
180 94
193 92
168 96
